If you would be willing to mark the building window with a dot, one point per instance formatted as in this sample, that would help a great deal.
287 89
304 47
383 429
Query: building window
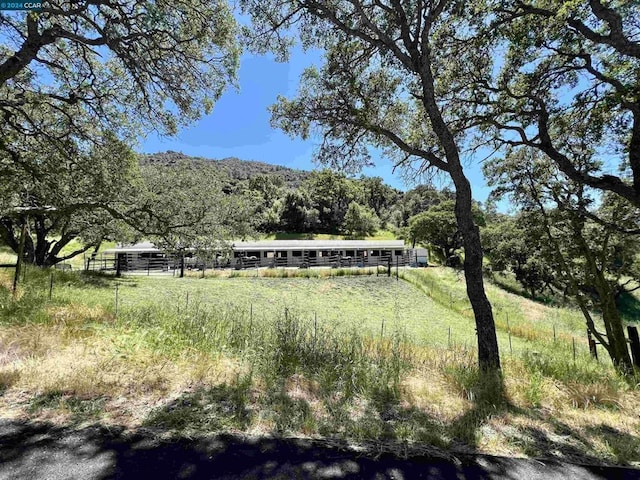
296 253
349 253
375 253
313 254
399 253
282 254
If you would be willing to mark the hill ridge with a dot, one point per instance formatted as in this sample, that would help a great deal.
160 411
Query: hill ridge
237 169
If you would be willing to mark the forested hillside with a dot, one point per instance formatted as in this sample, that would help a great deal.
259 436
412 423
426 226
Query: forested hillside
284 200
234 168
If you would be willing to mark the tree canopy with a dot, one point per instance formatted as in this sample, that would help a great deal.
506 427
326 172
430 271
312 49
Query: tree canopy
79 81
568 83
157 63
360 220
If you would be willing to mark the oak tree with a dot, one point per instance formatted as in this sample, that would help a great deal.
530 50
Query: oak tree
394 77
593 261
76 78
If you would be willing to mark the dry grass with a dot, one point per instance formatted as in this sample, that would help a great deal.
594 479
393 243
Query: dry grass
6 281
54 361
431 392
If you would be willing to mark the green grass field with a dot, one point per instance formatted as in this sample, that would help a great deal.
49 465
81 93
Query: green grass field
361 358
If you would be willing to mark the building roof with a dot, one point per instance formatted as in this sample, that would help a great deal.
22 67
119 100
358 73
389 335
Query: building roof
138 247
271 245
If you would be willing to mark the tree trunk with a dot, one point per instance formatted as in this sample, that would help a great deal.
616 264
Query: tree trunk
488 353
617 340
16 277
618 349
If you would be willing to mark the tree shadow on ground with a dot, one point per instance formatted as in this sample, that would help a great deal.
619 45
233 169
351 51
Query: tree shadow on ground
40 277
28 307
565 443
220 408
624 446
79 409
90 279
41 450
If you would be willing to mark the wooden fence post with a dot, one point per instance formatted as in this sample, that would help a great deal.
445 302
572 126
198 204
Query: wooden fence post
116 301
16 276
315 329
635 344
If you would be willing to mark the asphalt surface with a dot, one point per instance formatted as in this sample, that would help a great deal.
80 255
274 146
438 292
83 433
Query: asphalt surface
35 451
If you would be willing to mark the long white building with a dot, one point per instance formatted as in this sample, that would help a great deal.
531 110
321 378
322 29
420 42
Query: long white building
271 253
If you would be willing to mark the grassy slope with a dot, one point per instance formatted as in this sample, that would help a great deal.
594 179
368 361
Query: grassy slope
361 302
524 318
209 366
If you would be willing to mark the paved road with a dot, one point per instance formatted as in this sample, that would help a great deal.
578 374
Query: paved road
35 451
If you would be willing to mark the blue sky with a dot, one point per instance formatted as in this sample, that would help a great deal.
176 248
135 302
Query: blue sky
239 124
